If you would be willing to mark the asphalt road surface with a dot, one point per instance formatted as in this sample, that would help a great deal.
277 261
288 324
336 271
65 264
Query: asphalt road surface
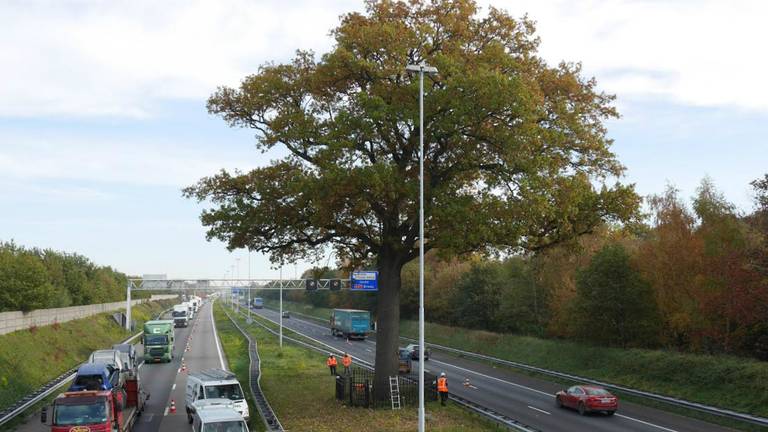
529 400
165 381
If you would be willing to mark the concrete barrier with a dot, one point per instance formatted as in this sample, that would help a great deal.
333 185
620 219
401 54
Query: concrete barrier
14 321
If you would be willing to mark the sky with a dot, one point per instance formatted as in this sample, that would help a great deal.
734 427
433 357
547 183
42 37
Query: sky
103 118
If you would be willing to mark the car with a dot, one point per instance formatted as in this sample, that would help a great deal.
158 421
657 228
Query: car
127 355
286 314
413 349
404 361
587 399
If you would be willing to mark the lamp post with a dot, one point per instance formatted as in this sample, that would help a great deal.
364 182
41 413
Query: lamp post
421 68
248 308
281 303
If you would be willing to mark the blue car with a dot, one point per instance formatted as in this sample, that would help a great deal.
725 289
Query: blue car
95 376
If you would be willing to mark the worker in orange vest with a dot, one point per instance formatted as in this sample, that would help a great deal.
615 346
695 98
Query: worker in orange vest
442 388
346 361
331 363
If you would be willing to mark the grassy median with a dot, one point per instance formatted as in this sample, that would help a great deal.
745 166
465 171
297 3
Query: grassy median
30 358
300 390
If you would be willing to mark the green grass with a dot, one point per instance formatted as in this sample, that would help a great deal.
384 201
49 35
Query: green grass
730 382
30 358
235 347
297 384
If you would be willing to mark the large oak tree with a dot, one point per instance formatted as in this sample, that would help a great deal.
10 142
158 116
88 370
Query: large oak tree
516 153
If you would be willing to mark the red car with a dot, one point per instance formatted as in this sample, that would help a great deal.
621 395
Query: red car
587 399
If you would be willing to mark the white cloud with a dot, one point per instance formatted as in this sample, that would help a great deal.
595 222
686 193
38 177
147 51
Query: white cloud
99 58
116 58
131 162
702 53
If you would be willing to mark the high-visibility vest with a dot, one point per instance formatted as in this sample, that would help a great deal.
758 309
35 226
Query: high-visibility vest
442 385
346 361
331 361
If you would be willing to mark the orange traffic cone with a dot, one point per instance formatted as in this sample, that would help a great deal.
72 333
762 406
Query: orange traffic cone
183 366
466 382
173 407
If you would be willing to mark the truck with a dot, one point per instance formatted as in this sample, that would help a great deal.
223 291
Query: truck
258 303
179 315
217 415
214 384
114 409
95 376
158 341
350 323
190 310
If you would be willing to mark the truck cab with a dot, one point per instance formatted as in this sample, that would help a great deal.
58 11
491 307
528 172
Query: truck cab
214 384
180 315
217 415
158 341
128 356
258 303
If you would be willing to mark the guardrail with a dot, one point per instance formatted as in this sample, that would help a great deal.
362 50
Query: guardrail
267 413
488 413
47 389
734 415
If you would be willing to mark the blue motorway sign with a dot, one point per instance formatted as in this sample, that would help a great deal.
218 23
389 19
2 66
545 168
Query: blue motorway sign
364 281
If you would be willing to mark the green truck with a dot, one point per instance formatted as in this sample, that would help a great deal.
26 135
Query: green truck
350 323
158 341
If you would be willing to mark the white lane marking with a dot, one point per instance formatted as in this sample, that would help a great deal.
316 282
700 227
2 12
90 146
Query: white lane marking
493 378
216 337
173 387
547 394
645 423
539 410
369 350
165 413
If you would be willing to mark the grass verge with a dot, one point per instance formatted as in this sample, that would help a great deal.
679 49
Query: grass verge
30 358
296 382
235 347
730 382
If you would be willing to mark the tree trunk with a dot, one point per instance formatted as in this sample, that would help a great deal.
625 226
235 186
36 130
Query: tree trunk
388 325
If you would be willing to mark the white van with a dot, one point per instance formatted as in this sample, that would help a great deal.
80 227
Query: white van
217 415
214 384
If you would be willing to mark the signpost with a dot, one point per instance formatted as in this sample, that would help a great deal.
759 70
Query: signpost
364 281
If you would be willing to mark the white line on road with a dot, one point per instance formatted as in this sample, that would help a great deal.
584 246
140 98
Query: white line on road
547 394
646 423
165 413
539 410
173 387
216 337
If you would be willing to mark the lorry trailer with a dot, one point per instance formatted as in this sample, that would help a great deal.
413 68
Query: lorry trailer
350 323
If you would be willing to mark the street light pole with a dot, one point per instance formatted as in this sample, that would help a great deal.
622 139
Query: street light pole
421 68
248 308
281 303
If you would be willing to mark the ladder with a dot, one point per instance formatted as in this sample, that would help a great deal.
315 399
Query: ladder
394 391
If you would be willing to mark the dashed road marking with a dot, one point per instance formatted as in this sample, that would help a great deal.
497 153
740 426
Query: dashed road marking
539 410
173 387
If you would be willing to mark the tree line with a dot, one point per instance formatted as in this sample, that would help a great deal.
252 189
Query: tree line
32 278
692 277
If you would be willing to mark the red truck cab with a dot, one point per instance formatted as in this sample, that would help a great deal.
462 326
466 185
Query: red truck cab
97 410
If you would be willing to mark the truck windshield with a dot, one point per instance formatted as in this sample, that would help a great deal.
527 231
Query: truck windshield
224 391
179 314
67 415
225 426
153 339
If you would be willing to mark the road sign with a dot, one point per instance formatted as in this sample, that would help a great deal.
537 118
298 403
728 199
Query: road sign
364 281
311 284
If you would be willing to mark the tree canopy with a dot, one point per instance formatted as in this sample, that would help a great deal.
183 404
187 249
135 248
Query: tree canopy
516 152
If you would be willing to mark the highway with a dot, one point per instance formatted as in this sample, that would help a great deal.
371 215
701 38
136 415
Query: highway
166 381
529 400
